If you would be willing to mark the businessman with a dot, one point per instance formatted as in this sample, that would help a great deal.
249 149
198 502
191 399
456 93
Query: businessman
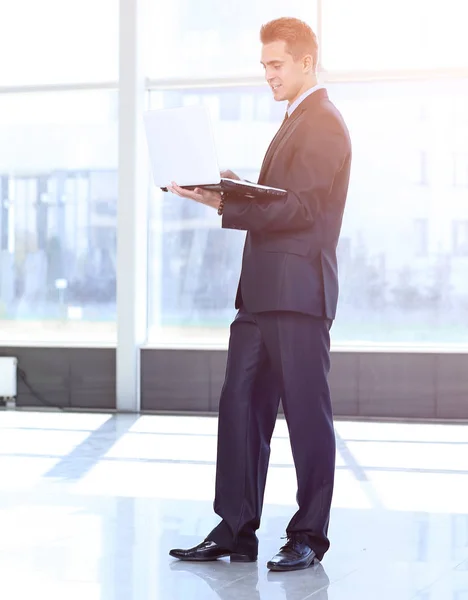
280 343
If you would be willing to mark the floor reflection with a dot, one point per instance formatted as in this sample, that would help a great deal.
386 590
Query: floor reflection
81 516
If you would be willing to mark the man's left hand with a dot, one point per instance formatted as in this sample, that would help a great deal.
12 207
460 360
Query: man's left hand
206 197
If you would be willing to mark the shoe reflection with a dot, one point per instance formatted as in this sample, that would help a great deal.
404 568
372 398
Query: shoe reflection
239 582
224 578
312 582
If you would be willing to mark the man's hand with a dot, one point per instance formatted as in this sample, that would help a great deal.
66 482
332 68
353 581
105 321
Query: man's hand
206 197
229 175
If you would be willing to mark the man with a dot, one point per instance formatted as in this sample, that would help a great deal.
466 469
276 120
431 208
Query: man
279 345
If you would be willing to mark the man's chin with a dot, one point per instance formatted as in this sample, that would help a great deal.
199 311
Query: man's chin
279 97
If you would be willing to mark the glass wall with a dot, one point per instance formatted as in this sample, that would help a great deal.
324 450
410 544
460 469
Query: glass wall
401 34
58 41
208 38
402 257
398 73
199 262
403 252
58 172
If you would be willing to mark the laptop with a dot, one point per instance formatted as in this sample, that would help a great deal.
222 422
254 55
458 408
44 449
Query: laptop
182 149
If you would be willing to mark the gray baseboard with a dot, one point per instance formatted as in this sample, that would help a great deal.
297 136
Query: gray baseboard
404 385
66 377
363 384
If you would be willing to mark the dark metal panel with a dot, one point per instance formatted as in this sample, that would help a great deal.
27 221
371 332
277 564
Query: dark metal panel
344 379
452 386
394 385
217 362
397 385
50 399
175 380
92 377
66 377
47 371
344 383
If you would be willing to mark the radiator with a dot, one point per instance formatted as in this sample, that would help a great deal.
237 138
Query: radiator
8 376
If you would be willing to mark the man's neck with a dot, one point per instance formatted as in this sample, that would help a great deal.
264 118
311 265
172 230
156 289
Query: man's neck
305 88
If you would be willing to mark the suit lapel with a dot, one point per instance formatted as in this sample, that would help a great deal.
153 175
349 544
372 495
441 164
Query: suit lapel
286 126
283 130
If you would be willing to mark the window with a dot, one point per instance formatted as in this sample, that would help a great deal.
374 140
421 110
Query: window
460 238
58 165
53 41
230 109
402 34
212 38
194 266
460 170
389 219
58 157
421 239
423 178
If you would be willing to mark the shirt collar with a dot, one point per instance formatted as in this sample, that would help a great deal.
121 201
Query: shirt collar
302 97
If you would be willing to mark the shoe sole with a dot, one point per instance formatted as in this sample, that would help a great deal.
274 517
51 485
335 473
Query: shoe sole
274 567
244 558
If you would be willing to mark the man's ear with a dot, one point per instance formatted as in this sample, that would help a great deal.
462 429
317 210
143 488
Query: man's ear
308 63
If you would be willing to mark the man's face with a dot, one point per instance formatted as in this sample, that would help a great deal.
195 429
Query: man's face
286 77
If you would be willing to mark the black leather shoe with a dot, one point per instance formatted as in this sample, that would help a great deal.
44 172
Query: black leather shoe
207 551
294 555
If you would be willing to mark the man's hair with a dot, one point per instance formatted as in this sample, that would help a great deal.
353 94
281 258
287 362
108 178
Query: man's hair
299 37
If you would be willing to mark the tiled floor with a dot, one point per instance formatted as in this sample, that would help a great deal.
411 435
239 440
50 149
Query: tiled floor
90 505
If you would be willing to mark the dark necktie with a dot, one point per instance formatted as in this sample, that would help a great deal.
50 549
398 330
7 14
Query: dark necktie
276 134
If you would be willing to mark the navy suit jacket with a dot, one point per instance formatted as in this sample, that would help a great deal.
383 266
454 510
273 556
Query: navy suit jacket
289 261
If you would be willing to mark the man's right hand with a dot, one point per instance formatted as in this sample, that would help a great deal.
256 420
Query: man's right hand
229 175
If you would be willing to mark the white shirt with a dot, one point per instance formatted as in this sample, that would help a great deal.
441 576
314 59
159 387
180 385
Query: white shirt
301 98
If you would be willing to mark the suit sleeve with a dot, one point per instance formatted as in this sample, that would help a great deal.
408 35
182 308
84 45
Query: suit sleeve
318 157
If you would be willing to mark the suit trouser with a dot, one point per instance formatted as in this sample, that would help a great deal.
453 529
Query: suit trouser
273 355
